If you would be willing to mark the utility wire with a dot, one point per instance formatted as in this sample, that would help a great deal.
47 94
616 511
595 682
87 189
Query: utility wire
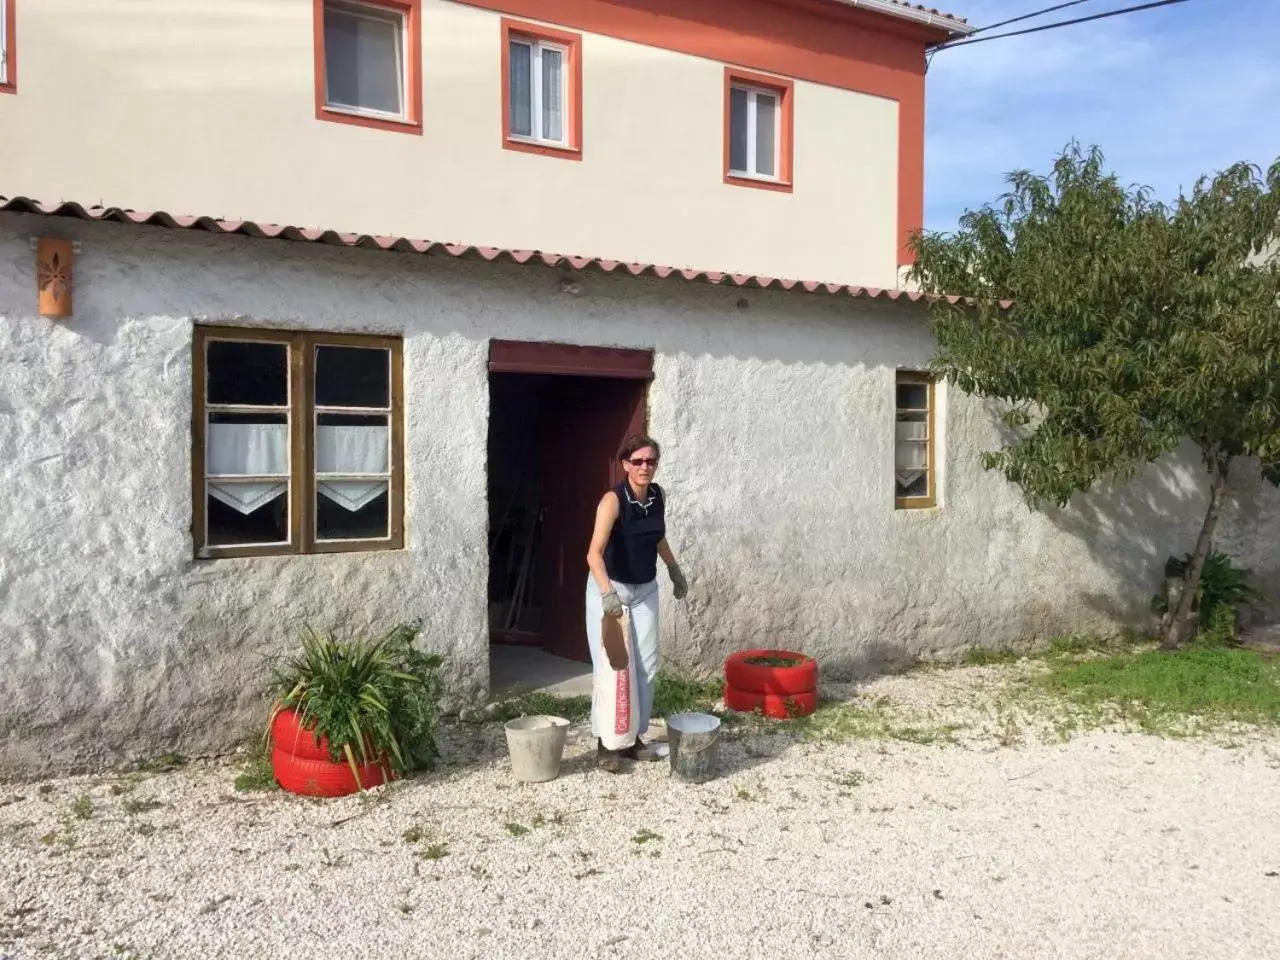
1059 23
1029 16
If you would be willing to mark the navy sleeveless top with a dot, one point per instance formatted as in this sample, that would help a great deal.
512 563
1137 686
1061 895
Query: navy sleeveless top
631 555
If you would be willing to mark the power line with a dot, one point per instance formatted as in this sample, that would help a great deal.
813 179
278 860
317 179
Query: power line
1059 23
1030 16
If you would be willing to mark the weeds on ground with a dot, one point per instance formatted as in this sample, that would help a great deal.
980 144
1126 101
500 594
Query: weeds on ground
675 694
1162 691
82 807
256 773
989 656
539 703
135 805
645 836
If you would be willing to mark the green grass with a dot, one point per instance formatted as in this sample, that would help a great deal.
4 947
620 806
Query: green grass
1158 688
988 656
82 807
671 694
256 775
538 703
836 721
516 829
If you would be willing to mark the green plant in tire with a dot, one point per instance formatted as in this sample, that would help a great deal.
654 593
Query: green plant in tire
371 699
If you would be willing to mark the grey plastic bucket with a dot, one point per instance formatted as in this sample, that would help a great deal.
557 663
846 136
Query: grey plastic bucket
536 745
695 746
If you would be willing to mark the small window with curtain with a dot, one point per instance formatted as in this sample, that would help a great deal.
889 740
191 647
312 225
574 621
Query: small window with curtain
297 443
368 63
8 46
914 464
758 130
542 90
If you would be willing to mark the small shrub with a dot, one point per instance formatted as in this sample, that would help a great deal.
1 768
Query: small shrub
1222 584
367 698
676 694
82 807
134 805
516 829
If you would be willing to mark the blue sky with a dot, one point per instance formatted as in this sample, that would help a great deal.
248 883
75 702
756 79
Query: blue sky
1167 94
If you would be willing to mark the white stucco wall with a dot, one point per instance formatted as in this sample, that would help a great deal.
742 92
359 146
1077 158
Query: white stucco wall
776 411
206 107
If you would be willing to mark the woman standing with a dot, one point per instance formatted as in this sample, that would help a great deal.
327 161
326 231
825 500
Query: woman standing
630 535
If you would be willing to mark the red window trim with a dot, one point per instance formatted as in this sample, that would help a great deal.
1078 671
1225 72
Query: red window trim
10 84
785 89
573 121
412 11
523 356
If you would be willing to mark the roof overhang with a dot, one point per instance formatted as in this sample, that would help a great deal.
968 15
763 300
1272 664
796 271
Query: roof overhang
948 23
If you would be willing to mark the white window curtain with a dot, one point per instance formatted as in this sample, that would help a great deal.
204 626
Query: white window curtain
911 454
346 450
364 59
4 41
536 91
521 92
552 94
247 450
753 132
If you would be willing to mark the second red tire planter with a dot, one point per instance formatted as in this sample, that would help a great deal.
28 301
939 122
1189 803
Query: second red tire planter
778 691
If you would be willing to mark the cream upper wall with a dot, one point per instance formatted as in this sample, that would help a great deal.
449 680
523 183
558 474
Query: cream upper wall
207 107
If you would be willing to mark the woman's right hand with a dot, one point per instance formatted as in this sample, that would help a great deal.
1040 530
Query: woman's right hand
612 605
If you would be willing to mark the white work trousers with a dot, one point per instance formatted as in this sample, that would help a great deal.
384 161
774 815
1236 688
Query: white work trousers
641 601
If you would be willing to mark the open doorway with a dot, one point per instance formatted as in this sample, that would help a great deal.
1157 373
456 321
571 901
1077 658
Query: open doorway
555 425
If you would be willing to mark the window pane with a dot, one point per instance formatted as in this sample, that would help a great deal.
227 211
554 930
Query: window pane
766 134
247 513
363 60
912 483
353 377
352 444
521 92
247 445
352 510
738 129
913 396
247 372
552 95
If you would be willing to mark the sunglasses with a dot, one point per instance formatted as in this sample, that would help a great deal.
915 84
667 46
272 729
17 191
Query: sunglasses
644 462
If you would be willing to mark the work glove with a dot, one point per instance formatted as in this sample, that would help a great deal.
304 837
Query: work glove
612 605
679 585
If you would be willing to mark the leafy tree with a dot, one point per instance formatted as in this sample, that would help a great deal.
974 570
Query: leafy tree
1115 327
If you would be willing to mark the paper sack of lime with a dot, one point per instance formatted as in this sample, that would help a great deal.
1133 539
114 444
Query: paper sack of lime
629 537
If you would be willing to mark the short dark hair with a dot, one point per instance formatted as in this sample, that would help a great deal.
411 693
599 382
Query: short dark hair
638 442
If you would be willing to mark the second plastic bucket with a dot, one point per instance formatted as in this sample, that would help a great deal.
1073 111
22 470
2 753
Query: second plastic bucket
536 745
695 746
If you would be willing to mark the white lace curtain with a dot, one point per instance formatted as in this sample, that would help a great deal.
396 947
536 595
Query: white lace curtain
911 454
262 450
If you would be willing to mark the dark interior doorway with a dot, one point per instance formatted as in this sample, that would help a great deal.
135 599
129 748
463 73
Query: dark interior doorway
553 442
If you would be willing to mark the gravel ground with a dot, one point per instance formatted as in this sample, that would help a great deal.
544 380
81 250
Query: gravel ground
1108 845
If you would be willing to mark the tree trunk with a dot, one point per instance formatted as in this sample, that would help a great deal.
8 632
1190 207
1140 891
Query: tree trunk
1179 620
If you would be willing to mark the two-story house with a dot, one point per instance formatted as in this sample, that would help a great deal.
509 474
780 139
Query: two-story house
334 312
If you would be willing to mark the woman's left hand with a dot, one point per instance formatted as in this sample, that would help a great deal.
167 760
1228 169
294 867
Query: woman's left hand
679 585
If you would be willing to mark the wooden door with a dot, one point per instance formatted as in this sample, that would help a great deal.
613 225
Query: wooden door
585 420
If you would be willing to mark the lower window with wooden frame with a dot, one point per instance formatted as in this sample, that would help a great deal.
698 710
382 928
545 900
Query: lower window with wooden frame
914 462
297 442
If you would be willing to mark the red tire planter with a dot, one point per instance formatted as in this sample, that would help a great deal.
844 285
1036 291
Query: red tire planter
772 705
289 735
324 778
775 681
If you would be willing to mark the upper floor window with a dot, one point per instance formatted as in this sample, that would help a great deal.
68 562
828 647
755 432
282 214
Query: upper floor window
914 465
298 443
758 132
8 46
368 63
542 90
